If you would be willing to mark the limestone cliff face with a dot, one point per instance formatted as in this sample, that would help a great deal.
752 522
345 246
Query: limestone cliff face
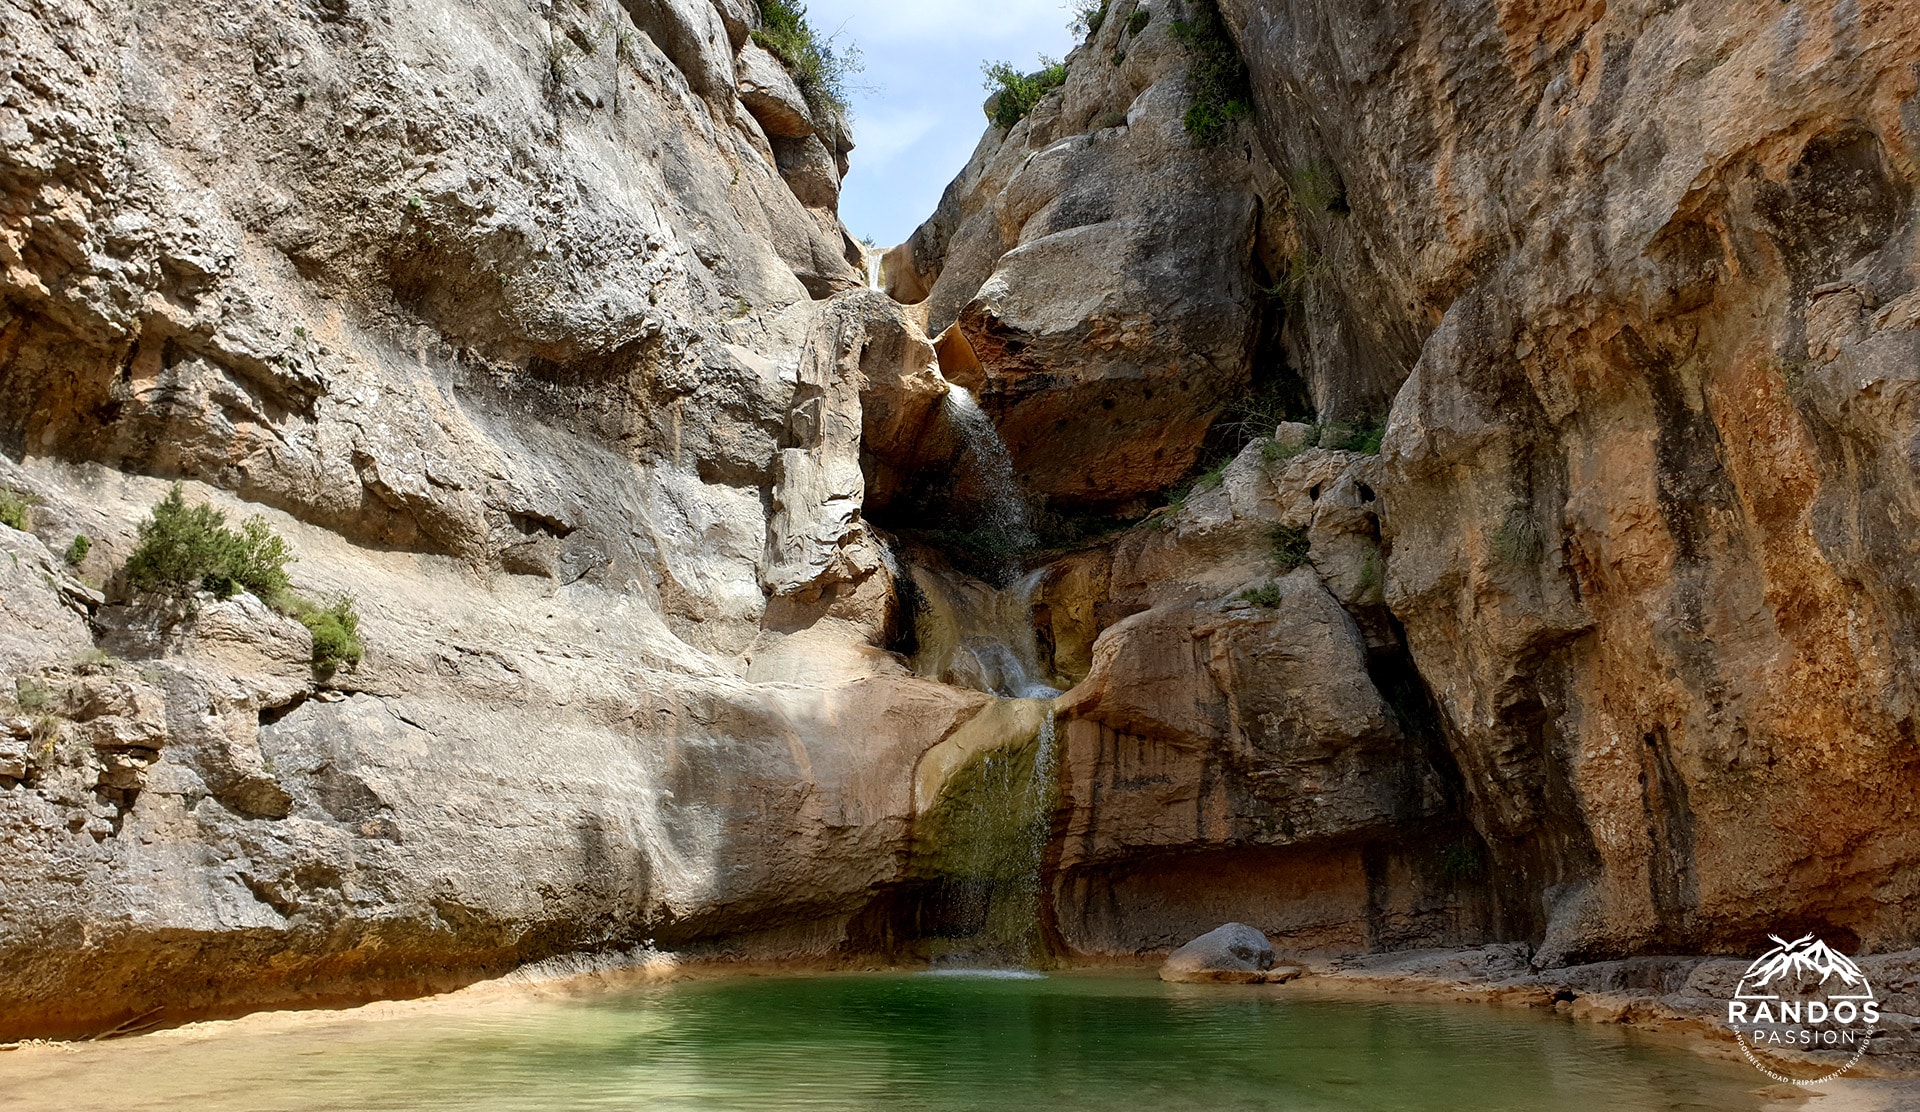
1638 282
536 330
507 321
1651 513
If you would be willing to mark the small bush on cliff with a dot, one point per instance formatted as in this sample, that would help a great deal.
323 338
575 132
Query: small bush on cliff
1318 186
1267 595
13 509
1216 77
185 549
336 631
1088 17
1291 546
1518 540
1137 22
1365 436
1016 93
32 696
76 553
819 66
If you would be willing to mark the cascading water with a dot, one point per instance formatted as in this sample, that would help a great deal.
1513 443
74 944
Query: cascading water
984 840
972 634
873 269
1003 526
995 826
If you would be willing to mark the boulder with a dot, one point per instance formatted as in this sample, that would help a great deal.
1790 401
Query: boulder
1233 954
769 92
1104 389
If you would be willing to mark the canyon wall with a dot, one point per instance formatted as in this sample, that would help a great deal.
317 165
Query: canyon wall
515 326
1638 282
1472 497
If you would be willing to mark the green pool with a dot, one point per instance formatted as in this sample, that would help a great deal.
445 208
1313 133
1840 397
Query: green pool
899 1042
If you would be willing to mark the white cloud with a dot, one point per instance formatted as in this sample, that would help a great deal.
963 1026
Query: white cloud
886 132
917 107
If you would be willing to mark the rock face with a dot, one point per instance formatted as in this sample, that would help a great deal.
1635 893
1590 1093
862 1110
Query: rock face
1649 498
547 345
1103 389
1235 953
1230 752
504 323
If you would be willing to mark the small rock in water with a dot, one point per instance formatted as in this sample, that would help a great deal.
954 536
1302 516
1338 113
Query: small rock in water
1235 954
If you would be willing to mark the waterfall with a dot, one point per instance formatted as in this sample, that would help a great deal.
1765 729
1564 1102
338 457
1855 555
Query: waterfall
998 820
1003 526
983 842
873 268
972 634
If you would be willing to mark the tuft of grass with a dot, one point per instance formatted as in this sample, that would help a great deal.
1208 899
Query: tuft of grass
1137 22
13 509
77 551
1016 93
1213 477
1372 579
1217 78
1518 540
33 697
336 631
1088 17
1305 270
1292 545
1317 185
1272 452
820 66
185 549
1364 436
1267 595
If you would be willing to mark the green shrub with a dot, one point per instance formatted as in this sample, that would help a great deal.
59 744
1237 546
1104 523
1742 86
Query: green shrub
1267 596
185 549
1318 185
32 696
13 509
1216 77
1088 17
820 68
335 628
1017 93
1137 22
1364 436
1291 546
77 551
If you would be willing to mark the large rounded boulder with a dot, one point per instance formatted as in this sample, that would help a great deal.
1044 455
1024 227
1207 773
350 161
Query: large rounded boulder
1233 954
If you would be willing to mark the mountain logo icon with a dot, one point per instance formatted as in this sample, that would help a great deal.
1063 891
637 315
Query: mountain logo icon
1802 1007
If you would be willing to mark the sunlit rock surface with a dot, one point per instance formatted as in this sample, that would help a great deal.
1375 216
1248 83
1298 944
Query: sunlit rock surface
548 346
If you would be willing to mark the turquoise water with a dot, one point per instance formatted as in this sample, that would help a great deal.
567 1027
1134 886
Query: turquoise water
902 1043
